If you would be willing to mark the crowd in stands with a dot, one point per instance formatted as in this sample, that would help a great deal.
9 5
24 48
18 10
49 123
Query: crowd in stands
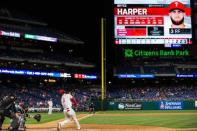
159 70
160 66
38 96
155 69
151 93
37 56
187 70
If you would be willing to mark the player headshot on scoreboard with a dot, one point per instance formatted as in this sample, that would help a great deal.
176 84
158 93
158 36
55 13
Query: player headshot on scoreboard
177 15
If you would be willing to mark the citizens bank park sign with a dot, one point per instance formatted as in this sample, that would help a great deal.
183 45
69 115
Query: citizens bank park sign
130 53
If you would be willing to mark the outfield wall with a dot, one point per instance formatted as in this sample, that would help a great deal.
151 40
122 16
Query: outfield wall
151 105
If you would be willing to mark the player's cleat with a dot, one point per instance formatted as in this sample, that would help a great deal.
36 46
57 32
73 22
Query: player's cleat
21 129
59 126
78 128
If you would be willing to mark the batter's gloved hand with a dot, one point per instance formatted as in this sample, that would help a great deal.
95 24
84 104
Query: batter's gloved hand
37 117
74 102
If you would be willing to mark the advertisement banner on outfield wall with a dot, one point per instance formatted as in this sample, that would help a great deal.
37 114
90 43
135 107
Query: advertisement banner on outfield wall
130 106
195 104
170 105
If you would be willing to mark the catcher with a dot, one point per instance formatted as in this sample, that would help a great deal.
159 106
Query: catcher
16 112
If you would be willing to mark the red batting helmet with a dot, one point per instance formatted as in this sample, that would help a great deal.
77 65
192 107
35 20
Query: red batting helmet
61 91
176 5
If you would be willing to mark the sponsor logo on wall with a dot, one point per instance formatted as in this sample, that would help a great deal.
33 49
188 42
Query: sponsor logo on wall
130 106
171 105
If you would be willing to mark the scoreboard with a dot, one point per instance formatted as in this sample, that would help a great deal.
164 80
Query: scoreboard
148 22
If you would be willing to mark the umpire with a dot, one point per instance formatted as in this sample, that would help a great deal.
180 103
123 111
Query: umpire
91 108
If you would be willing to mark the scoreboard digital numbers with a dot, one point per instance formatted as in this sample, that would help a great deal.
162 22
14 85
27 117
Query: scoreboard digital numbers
148 22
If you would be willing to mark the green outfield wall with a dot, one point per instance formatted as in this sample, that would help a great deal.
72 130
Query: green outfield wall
146 105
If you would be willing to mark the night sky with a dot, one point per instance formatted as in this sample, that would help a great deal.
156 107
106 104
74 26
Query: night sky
81 19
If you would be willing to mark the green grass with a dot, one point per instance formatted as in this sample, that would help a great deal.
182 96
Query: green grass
45 118
168 120
146 111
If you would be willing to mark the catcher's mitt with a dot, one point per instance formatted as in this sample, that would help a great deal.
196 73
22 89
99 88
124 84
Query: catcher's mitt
37 117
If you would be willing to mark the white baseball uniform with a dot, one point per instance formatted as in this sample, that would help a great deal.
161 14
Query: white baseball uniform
50 103
68 111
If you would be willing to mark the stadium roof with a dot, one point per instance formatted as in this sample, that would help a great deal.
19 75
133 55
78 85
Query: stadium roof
16 21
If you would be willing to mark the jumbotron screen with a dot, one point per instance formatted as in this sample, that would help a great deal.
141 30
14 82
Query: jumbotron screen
148 22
